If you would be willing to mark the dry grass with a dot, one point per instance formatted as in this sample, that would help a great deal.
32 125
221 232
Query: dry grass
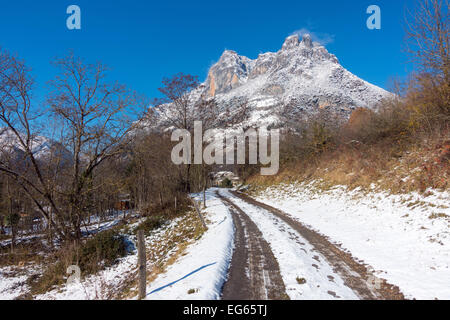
24 253
439 216
403 146
169 248
395 166
95 254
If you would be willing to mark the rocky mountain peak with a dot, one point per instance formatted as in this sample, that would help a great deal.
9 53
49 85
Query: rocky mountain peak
228 55
302 75
228 73
291 42
307 41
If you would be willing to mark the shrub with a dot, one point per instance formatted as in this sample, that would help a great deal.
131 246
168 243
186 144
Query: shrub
300 280
150 224
96 253
106 247
226 183
428 102
167 209
12 220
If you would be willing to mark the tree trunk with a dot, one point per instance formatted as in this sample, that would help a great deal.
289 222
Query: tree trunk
199 213
142 260
13 238
188 179
10 211
50 231
2 225
204 196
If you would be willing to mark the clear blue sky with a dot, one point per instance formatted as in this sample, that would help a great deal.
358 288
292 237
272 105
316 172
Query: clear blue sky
143 41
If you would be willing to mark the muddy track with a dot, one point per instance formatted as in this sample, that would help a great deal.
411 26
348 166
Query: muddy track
254 272
356 275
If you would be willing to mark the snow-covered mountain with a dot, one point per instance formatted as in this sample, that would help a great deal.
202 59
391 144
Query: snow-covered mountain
42 147
302 74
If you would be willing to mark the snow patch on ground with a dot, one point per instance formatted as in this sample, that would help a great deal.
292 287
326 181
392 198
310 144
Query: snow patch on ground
11 286
96 287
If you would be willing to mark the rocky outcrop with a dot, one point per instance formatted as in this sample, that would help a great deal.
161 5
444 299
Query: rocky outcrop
229 73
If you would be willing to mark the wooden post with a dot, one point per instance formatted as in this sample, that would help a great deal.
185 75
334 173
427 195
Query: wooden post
13 236
142 260
10 213
50 228
204 197
199 213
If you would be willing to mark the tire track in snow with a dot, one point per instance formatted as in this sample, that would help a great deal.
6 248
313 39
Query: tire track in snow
355 275
254 272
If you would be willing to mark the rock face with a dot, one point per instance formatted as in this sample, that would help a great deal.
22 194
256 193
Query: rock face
302 74
230 72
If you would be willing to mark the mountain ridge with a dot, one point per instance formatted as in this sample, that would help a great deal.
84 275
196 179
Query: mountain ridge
302 74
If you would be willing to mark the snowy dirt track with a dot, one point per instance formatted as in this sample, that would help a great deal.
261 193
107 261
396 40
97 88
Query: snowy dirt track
308 269
329 273
254 273
250 252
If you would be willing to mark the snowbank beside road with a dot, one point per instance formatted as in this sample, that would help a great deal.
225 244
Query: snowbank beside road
405 238
202 271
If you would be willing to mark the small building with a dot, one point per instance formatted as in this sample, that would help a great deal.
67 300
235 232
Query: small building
219 177
124 203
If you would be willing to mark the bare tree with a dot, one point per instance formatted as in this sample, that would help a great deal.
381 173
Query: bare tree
96 119
17 119
428 32
154 181
183 104
3 207
93 119
175 92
